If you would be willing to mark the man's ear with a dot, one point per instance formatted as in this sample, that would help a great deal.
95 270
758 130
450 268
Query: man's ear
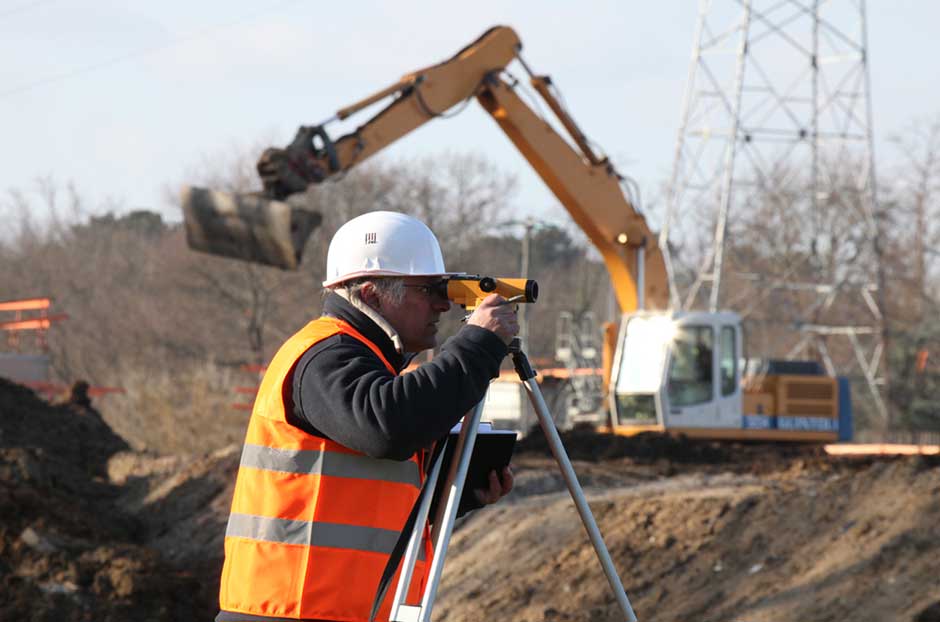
370 295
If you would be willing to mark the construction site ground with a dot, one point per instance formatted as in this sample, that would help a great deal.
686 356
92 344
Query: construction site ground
91 530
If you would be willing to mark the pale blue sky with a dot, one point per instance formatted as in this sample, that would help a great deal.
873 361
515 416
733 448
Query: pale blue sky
122 98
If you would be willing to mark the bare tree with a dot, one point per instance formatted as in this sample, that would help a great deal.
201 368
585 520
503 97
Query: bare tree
173 327
917 190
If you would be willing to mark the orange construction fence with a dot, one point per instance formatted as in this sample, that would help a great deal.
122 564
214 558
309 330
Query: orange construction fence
25 318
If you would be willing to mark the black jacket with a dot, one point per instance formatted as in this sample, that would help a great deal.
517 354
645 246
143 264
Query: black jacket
342 391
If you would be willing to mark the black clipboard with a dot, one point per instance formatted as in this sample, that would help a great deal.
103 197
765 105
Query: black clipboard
491 452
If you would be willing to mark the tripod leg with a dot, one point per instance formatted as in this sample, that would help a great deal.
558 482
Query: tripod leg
414 545
447 512
571 480
443 523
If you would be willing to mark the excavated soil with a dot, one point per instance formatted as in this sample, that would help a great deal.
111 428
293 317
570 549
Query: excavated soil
90 530
67 550
810 541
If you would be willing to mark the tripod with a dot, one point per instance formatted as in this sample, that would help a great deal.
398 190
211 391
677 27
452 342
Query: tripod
447 510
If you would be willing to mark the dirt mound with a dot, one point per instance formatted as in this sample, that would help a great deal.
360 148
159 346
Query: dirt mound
68 433
797 544
90 530
67 550
183 509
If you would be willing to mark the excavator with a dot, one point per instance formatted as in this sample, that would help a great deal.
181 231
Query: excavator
666 371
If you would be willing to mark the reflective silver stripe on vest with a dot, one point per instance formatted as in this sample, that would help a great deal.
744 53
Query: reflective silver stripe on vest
308 533
332 463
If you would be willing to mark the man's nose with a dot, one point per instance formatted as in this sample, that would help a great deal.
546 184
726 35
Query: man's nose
440 304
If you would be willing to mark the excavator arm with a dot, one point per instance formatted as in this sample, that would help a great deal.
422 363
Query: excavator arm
587 185
418 97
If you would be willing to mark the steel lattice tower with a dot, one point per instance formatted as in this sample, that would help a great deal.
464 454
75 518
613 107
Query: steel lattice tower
775 139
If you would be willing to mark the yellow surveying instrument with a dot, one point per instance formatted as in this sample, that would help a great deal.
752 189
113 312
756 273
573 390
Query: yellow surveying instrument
469 291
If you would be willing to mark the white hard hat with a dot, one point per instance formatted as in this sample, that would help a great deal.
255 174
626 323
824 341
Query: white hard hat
383 244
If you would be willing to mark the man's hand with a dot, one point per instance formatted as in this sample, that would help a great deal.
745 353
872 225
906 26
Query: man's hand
499 487
497 315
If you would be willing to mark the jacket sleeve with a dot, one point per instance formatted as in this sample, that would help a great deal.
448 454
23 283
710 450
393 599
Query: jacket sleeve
348 395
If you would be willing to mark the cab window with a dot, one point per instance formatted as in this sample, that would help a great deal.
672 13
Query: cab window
691 374
728 362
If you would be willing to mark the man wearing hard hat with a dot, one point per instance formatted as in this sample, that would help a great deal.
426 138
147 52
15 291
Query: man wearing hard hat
338 441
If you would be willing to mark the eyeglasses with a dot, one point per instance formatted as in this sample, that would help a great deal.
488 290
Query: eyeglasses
437 289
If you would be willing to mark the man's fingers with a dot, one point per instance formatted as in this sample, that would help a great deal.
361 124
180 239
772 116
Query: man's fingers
506 481
499 486
496 486
493 300
498 315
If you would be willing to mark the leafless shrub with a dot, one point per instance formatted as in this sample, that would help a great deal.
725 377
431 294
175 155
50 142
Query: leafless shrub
185 409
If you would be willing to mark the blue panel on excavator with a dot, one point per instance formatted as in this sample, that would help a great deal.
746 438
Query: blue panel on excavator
845 409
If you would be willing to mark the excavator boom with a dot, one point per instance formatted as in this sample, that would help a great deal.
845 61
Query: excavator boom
588 187
418 97
586 184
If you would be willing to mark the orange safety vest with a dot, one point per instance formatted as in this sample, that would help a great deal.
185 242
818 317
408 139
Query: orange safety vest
313 522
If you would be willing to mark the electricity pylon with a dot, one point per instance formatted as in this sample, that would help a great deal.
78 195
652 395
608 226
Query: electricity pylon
776 136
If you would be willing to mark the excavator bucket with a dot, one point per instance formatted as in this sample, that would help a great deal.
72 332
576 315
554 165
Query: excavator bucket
250 227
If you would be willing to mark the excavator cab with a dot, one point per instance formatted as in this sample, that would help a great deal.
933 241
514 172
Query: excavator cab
683 373
676 370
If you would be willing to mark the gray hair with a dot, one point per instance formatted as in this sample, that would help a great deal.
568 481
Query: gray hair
391 289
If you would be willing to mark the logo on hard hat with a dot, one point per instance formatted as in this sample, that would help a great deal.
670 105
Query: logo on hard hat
371 238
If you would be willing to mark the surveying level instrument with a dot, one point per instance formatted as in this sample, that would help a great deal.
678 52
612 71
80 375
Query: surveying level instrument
468 290
461 289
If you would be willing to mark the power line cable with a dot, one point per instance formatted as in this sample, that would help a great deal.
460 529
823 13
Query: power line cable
66 75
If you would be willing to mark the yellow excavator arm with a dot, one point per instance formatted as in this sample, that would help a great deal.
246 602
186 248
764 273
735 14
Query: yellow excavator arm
587 185
418 97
